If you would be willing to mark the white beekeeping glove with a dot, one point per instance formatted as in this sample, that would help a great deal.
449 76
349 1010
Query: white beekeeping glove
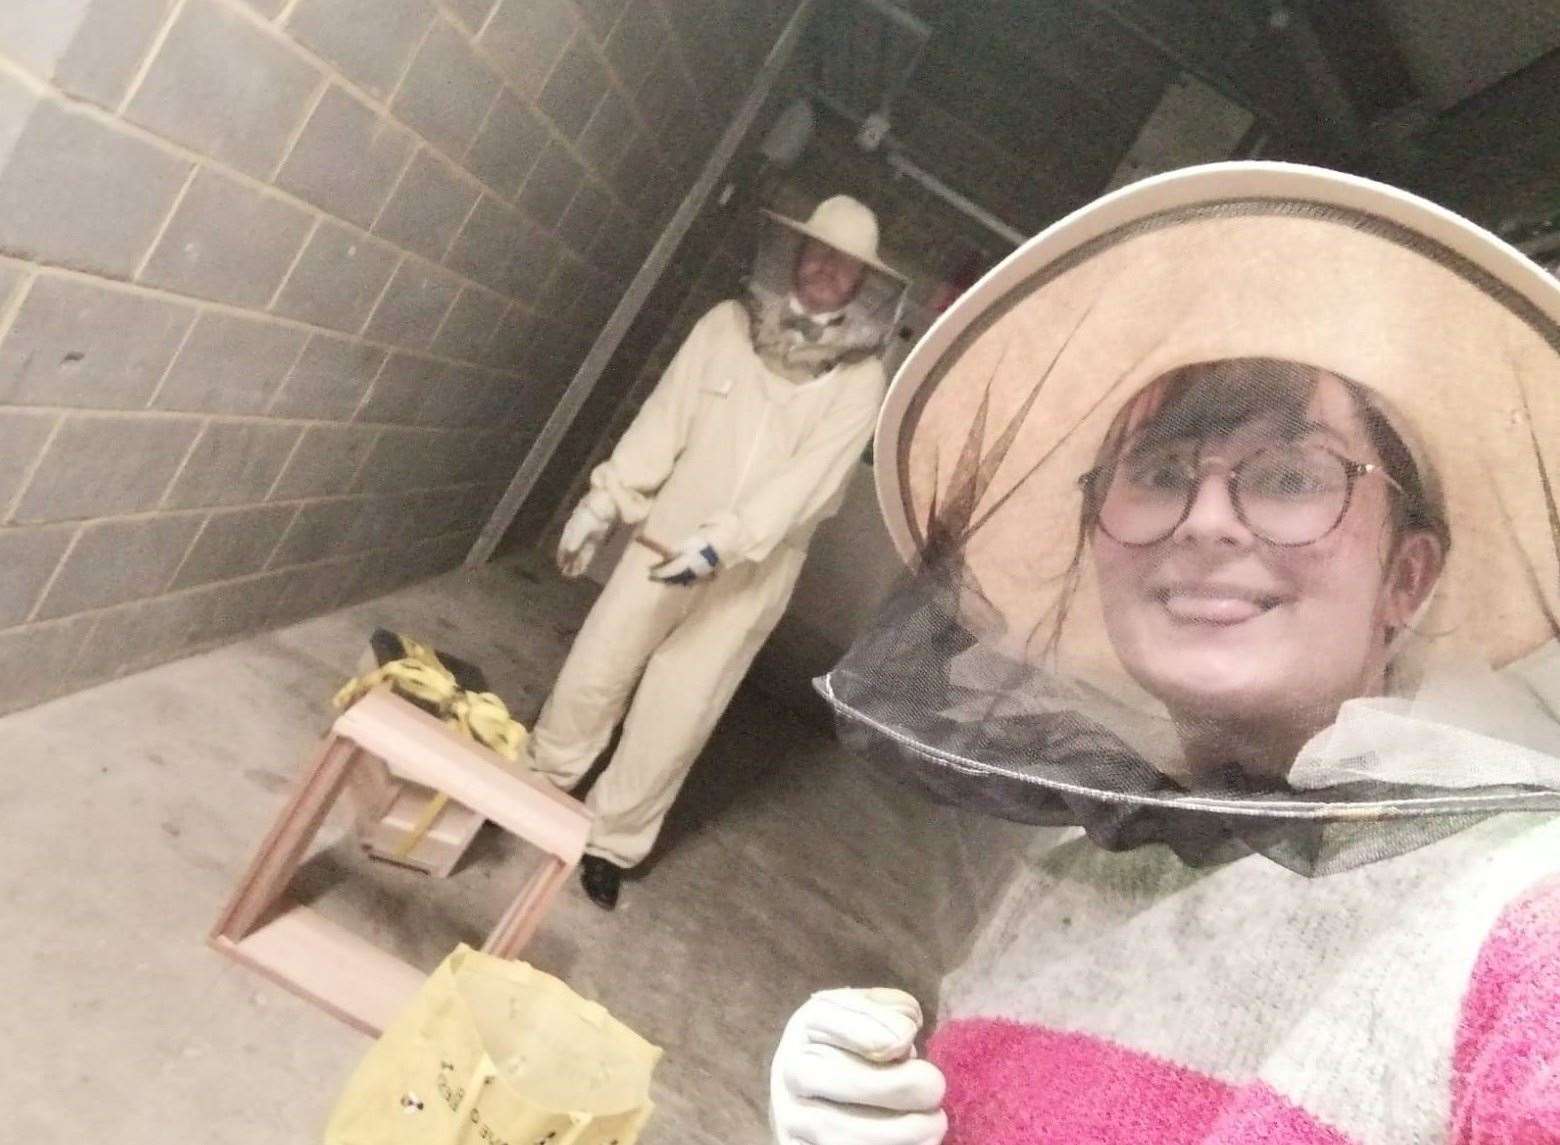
697 560
845 1073
582 537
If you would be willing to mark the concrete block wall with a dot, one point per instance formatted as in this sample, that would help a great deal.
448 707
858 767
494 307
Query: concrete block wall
287 287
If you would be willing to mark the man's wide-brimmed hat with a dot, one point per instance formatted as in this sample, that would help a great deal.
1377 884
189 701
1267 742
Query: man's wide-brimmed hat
847 225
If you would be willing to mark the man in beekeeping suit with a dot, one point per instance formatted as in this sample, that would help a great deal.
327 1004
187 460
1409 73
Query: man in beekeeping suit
745 445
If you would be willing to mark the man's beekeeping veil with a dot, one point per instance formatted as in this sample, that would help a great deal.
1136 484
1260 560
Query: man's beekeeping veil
803 344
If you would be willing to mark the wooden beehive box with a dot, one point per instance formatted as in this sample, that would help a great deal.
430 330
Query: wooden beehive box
388 811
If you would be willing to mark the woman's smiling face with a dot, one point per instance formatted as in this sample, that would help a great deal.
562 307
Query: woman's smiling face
1227 628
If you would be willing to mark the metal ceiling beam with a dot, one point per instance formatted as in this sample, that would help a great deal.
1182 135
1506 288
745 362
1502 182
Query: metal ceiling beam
1327 90
966 206
1183 55
899 16
897 159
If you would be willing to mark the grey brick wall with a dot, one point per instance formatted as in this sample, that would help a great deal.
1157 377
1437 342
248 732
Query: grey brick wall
288 286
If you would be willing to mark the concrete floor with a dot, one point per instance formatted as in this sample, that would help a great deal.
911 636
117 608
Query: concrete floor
129 810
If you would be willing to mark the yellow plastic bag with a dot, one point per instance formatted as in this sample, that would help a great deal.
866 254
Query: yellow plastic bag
493 1052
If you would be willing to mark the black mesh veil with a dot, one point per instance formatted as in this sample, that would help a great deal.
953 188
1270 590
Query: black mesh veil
924 698
1233 528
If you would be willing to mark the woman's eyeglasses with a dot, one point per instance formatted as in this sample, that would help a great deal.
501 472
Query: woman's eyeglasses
1284 494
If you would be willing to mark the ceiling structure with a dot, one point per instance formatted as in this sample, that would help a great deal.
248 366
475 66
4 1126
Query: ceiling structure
1030 108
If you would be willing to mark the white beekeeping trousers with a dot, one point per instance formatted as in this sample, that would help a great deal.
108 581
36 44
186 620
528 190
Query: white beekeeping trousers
687 649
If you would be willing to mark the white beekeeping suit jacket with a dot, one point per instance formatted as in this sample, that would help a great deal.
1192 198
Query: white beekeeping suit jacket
728 450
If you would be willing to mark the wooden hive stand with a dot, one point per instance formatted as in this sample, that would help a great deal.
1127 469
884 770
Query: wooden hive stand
346 975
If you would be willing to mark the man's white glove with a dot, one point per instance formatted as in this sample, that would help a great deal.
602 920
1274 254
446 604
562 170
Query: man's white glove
582 537
697 560
846 1073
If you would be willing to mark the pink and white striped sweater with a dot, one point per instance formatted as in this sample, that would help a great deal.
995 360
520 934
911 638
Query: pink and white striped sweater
1119 998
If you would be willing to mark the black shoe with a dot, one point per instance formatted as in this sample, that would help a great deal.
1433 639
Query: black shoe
601 880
